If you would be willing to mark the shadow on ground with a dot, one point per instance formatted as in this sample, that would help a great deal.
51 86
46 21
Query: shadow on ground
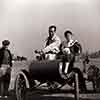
57 95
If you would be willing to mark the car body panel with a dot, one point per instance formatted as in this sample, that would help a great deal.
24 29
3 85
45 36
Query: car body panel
45 70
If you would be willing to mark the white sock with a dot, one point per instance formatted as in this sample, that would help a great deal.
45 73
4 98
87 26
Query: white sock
66 67
61 72
60 67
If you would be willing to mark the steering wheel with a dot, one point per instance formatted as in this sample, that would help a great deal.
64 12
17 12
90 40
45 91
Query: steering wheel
41 55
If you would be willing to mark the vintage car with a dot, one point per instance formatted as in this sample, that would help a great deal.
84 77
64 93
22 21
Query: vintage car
46 71
40 72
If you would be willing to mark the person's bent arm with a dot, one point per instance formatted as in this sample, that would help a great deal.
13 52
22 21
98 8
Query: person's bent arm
53 46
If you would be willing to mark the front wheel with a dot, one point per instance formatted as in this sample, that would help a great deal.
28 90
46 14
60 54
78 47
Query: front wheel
20 86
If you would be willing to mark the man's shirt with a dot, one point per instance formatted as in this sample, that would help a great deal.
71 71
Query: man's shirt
53 44
6 57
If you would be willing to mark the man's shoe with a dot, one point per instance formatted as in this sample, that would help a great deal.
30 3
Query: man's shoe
0 96
5 96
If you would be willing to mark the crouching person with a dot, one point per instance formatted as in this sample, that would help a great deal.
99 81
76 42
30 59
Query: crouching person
5 68
70 48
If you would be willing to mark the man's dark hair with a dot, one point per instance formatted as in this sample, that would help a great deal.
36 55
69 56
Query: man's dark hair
52 26
5 42
67 32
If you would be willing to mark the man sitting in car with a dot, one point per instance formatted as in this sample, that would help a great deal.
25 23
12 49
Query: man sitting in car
52 45
50 50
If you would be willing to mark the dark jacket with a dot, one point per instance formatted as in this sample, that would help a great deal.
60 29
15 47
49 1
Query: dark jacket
2 50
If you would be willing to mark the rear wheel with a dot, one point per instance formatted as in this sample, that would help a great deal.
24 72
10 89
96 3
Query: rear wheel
20 87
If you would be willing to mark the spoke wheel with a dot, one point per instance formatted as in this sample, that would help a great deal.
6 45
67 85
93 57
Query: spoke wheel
20 87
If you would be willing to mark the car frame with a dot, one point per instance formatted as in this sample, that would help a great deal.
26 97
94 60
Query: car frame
42 71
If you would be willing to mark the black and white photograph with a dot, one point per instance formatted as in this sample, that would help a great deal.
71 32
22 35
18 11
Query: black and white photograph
49 50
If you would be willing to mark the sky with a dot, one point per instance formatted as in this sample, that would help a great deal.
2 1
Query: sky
25 23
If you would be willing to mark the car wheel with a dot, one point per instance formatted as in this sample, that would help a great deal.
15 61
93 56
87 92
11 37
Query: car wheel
20 87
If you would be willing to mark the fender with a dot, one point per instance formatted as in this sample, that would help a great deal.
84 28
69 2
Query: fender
26 76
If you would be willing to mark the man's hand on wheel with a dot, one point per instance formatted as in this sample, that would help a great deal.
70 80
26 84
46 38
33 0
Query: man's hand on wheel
38 51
